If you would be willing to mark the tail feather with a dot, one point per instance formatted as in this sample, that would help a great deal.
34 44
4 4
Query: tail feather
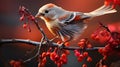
101 11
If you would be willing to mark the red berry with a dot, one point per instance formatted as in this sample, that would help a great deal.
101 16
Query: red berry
104 66
52 56
59 65
81 44
67 44
17 64
76 51
64 61
106 3
77 54
102 33
48 54
89 59
63 56
100 50
44 60
57 58
12 62
22 18
43 54
61 62
84 65
89 46
41 64
97 38
79 59
25 25
67 52
85 54
93 36
105 50
81 56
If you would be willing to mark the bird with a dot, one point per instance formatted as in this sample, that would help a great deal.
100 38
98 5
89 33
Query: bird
68 25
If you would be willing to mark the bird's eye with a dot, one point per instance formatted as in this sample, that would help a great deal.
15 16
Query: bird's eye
46 11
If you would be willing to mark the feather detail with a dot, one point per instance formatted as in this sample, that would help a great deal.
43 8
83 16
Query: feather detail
71 26
72 30
101 11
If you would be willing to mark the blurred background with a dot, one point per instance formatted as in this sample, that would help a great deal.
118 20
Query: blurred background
10 27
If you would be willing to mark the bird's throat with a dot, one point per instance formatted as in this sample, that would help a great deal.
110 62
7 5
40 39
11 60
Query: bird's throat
46 19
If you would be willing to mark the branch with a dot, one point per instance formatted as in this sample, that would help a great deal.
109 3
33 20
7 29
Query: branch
35 43
4 41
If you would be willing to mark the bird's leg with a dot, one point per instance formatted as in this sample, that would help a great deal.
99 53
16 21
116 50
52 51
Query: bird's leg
64 41
56 37
69 39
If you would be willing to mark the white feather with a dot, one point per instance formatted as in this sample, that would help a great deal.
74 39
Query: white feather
101 11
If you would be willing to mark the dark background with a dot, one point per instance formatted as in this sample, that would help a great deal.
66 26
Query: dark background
10 27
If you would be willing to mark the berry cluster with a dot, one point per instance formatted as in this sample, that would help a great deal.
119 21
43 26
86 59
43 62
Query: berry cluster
82 54
84 43
14 63
57 55
113 2
26 18
101 35
112 40
112 43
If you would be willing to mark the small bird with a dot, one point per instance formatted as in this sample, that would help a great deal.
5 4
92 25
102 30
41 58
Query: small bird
68 25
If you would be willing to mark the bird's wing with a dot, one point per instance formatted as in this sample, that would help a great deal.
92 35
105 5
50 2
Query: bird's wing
71 28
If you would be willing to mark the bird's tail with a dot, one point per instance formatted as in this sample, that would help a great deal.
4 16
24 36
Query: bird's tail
101 11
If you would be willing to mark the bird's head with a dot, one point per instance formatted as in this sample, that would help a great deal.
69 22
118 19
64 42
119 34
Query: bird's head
49 12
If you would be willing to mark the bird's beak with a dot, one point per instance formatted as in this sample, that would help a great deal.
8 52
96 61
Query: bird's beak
39 15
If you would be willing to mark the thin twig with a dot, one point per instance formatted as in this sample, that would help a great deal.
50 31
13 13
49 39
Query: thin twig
105 27
25 12
38 52
37 25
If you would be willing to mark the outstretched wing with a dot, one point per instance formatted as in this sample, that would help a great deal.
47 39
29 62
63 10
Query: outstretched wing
71 27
